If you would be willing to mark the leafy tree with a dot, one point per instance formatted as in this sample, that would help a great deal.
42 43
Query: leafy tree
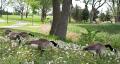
27 7
34 5
76 13
4 3
19 6
96 4
85 14
115 8
45 6
107 16
102 17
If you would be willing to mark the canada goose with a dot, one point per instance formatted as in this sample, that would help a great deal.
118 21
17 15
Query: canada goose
25 34
14 36
17 35
7 31
42 44
98 48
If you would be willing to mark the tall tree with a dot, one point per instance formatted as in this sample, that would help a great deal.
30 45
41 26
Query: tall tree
44 5
56 16
3 5
19 5
27 7
34 5
94 11
115 8
85 14
61 28
1 9
77 14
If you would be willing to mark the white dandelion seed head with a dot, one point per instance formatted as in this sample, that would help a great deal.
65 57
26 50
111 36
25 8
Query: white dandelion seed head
108 60
84 54
87 63
118 60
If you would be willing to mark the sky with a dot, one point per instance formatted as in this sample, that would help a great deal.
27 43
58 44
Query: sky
82 5
74 2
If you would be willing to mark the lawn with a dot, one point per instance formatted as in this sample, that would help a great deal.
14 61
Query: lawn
7 24
109 33
36 18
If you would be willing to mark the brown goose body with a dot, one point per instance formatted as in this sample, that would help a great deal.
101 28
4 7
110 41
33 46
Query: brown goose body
25 34
98 48
42 44
13 35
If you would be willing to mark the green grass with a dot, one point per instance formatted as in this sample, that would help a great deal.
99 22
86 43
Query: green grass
6 24
36 19
109 33
110 28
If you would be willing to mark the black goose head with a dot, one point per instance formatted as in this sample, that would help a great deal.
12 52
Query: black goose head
54 43
110 47
31 34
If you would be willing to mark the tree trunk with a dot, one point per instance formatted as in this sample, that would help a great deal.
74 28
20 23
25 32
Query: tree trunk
0 13
7 17
62 26
92 15
56 16
43 16
70 13
26 12
1 9
71 6
32 18
118 12
22 15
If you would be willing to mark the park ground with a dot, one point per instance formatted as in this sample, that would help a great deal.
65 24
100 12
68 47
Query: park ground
78 34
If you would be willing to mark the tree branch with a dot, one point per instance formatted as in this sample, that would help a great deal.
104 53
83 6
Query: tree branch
93 3
87 2
101 4
96 2
110 7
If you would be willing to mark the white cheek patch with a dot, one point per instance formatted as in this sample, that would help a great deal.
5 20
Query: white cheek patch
34 45
92 51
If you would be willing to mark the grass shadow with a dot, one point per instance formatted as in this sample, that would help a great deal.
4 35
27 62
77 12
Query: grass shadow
109 28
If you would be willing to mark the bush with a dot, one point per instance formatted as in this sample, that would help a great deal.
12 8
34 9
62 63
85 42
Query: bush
102 17
105 17
85 14
76 13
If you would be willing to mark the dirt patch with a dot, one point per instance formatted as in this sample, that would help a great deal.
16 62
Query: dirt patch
73 36
45 28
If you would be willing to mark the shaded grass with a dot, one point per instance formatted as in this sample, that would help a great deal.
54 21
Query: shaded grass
109 28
